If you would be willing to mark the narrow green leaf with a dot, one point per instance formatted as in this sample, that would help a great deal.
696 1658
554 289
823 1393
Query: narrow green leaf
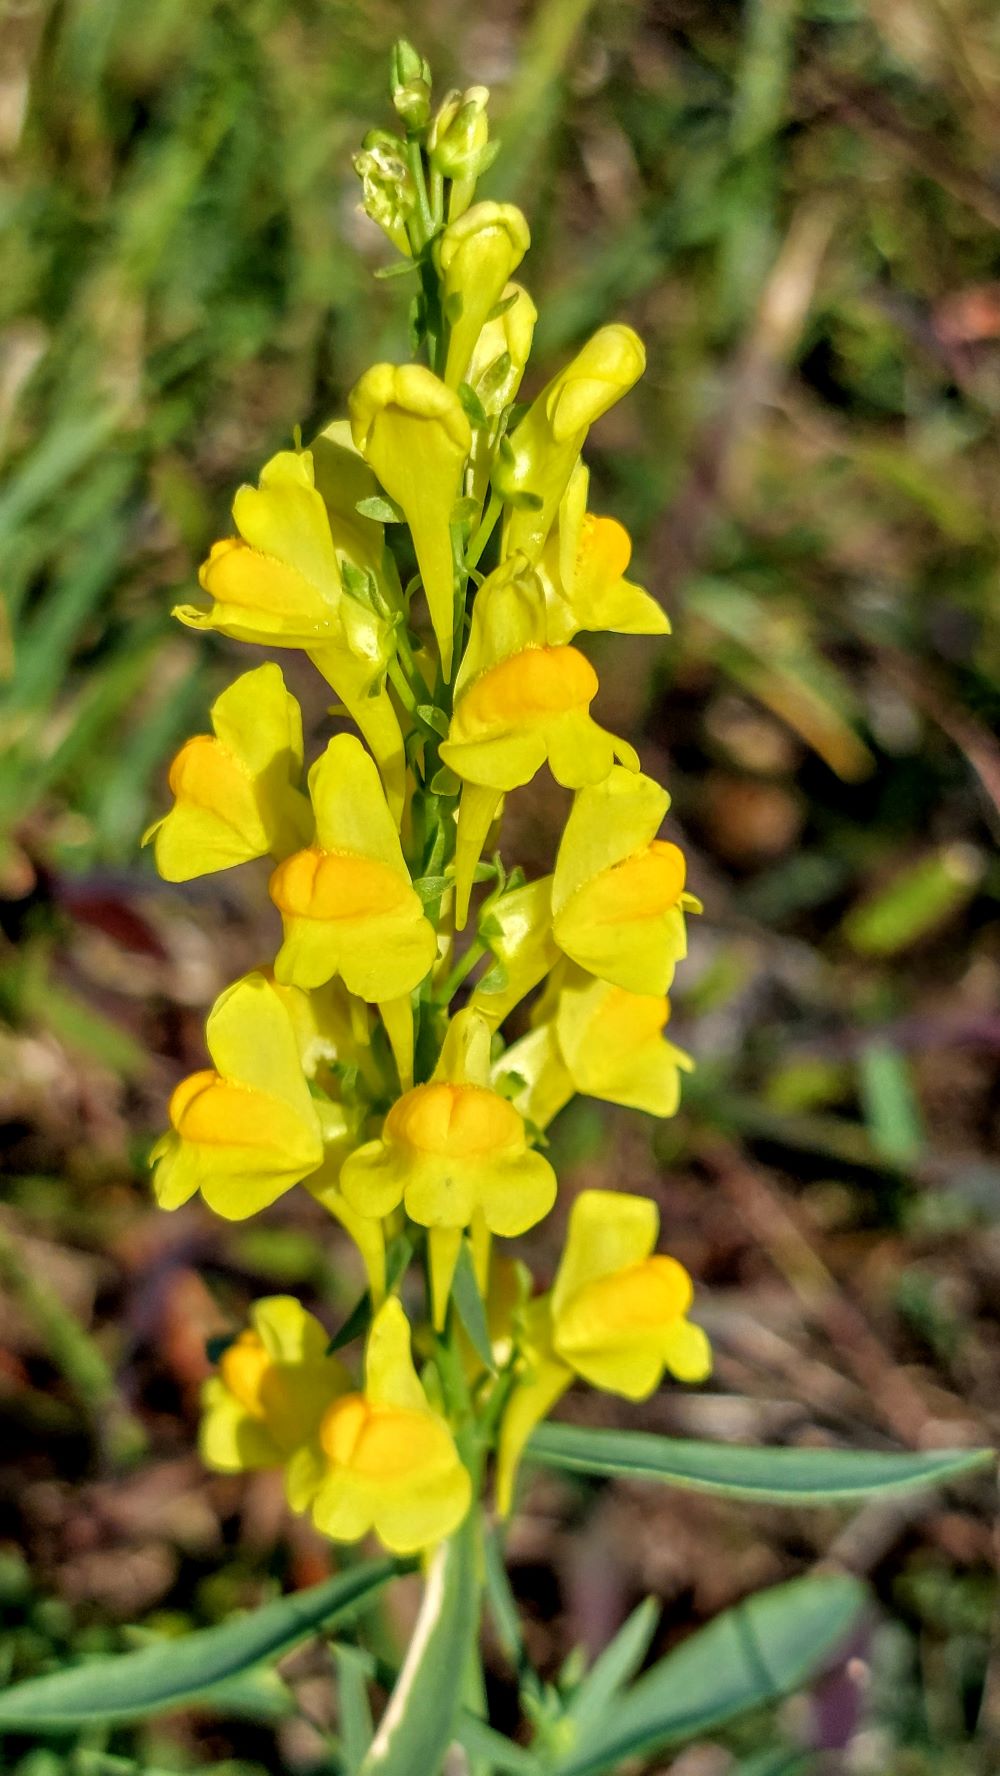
469 1305
751 1655
420 1719
782 1476
173 1672
613 1668
354 1712
357 1321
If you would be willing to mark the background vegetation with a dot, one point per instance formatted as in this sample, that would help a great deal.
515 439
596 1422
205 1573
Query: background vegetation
797 203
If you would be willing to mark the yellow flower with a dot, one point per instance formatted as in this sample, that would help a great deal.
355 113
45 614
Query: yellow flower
274 1384
619 1309
347 904
477 255
412 431
518 702
536 461
279 583
246 1130
617 1317
618 891
389 1461
235 795
582 569
596 1039
452 1149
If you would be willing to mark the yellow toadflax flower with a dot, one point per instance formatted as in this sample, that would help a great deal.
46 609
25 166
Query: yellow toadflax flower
411 430
279 582
616 1317
537 459
235 794
618 891
453 1150
477 255
519 702
247 1129
582 568
389 1462
347 904
596 1039
274 1384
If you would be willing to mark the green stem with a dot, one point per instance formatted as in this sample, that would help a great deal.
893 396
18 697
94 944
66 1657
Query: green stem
409 662
401 685
465 964
422 227
483 534
437 198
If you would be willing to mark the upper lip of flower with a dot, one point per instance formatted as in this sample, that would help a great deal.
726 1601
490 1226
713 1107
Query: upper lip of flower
454 1121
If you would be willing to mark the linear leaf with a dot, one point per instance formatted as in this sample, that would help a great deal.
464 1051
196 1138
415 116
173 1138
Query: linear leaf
619 1661
420 1717
173 1672
469 1303
500 1754
354 1713
783 1476
751 1655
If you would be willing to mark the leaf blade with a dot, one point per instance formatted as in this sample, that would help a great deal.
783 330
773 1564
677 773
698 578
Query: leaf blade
760 1651
782 1476
130 1686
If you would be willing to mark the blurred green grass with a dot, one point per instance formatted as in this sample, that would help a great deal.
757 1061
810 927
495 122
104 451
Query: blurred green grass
797 202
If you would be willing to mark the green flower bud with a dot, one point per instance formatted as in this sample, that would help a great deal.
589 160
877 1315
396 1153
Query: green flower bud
459 146
410 85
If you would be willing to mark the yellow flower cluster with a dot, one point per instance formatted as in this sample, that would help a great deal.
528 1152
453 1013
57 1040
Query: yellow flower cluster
369 1062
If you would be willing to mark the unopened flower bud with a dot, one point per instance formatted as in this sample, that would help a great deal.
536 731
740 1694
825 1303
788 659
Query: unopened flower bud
410 85
459 144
